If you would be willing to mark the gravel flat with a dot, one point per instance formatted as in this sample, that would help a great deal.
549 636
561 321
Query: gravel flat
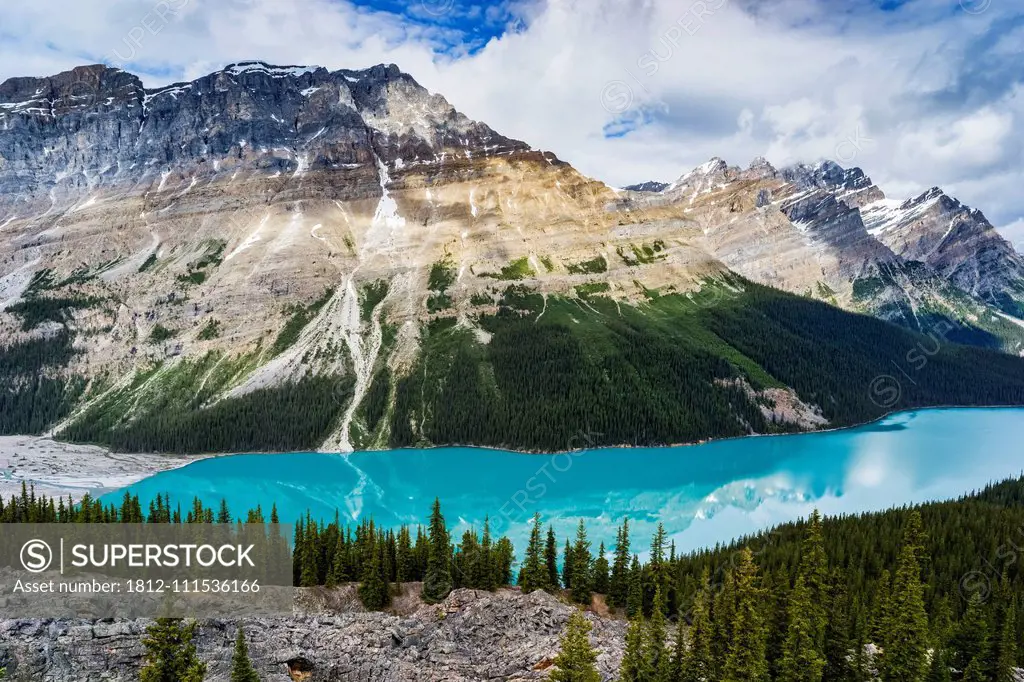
62 469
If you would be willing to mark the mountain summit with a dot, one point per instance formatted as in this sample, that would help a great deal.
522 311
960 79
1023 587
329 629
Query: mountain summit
266 238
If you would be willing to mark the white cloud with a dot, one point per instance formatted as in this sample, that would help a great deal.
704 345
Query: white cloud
1015 233
912 96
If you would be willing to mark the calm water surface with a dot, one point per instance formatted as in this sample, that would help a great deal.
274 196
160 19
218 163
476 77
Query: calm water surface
703 494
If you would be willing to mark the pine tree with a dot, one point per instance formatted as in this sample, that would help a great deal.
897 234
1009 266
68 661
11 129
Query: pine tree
906 638
170 653
241 665
576 659
437 583
551 561
745 657
581 579
618 587
601 580
533 575
801 660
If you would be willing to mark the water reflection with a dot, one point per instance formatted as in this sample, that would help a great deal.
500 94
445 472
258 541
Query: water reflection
704 494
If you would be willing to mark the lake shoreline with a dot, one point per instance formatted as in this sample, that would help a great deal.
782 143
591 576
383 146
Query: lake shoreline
59 468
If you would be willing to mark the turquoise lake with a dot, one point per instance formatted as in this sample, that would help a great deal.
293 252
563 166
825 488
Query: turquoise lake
703 493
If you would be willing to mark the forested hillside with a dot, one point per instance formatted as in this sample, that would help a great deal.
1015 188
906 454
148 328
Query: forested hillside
664 371
531 373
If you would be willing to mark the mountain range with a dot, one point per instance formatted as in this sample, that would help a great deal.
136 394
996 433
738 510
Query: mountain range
286 257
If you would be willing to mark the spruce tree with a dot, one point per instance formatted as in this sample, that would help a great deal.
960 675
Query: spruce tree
437 583
576 659
942 628
814 571
533 575
698 662
241 665
658 661
801 660
618 587
838 646
677 665
634 658
404 563
601 579
906 637
485 570
972 640
551 561
635 598
581 579
724 615
567 565
373 590
504 557
881 608
170 653
938 670
1006 662
975 671
658 569
745 656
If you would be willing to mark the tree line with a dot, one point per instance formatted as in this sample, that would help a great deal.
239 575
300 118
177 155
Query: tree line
878 596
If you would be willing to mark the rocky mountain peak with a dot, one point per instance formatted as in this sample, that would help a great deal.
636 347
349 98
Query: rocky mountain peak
79 89
249 115
649 186
760 169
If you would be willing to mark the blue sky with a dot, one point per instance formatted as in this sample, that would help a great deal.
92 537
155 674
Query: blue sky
917 92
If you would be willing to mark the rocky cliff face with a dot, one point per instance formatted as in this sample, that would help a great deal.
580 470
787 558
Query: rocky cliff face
203 219
471 636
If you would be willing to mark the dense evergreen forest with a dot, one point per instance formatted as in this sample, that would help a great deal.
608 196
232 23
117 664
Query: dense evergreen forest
32 395
932 592
662 372
676 368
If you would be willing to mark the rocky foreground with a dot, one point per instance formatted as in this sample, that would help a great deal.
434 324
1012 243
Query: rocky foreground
472 635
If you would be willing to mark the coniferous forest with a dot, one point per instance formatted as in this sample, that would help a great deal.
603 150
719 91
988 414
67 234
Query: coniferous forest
674 369
932 592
